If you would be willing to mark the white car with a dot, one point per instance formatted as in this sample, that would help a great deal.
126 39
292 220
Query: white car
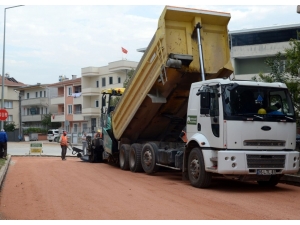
53 135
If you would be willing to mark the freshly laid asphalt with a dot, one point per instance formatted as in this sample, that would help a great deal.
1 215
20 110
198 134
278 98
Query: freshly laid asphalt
53 149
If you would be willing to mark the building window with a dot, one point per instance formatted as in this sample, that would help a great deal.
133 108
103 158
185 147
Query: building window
96 103
41 94
9 118
97 83
27 95
70 91
119 80
45 94
110 80
8 104
84 127
75 127
77 89
36 94
70 109
103 82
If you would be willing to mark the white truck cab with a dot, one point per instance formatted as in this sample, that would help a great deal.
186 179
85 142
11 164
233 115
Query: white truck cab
243 129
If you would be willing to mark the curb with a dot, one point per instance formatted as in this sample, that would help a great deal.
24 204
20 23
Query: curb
3 170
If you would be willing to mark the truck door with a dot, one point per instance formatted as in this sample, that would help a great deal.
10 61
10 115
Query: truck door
208 115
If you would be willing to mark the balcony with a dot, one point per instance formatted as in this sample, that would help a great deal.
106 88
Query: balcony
77 100
260 50
77 116
90 91
56 100
90 71
35 101
58 117
91 112
31 118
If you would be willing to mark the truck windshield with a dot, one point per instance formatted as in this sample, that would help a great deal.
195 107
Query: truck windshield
260 103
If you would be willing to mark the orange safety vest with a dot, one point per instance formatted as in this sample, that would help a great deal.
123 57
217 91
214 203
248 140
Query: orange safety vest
64 140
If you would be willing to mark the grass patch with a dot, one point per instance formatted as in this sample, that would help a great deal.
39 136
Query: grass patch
2 162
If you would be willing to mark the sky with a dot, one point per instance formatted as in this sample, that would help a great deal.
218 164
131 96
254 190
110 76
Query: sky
44 41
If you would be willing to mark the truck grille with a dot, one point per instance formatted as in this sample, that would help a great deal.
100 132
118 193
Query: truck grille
266 161
264 143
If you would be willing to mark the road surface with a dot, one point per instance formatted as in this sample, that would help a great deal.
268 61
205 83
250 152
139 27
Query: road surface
47 188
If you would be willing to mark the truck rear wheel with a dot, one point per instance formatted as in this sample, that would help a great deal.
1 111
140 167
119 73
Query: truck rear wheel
196 169
92 156
124 157
135 164
149 158
274 180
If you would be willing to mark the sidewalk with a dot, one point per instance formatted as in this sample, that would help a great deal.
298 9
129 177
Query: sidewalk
48 148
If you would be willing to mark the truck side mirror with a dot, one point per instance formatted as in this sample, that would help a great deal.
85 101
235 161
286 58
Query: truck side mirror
204 102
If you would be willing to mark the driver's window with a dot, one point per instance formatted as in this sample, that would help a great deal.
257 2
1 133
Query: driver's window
276 103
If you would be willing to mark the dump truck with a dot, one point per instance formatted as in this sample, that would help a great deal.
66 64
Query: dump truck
243 130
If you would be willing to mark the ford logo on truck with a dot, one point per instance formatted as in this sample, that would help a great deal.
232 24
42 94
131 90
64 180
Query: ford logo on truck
266 128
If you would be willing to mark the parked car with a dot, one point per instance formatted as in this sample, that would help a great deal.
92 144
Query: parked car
53 135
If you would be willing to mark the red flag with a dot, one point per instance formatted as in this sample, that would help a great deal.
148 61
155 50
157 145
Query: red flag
124 50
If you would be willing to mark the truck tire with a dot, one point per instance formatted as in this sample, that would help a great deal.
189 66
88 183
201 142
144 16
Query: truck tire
149 158
92 156
135 164
274 180
124 157
196 169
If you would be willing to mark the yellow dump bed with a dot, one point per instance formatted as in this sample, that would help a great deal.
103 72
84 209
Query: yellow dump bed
154 105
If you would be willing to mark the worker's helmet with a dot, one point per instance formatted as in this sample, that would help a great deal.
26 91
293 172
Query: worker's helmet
98 131
262 111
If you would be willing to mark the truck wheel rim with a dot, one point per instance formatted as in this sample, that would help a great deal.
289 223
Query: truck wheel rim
148 158
194 168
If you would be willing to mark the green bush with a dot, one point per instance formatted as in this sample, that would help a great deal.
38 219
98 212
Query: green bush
35 130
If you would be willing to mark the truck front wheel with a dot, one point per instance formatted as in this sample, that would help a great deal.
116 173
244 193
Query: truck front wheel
124 157
149 158
196 170
135 164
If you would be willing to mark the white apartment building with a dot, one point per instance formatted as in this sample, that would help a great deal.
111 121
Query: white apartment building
35 103
96 79
251 47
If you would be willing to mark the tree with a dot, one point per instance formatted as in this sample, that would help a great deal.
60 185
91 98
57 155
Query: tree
285 68
9 126
46 122
129 74
128 78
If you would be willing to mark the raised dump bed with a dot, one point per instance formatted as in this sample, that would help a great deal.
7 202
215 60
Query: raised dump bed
154 105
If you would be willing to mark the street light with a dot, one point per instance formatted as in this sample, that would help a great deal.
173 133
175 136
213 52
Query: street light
3 62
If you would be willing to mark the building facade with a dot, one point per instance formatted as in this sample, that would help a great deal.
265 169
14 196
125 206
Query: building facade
251 47
96 79
11 99
68 105
35 104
